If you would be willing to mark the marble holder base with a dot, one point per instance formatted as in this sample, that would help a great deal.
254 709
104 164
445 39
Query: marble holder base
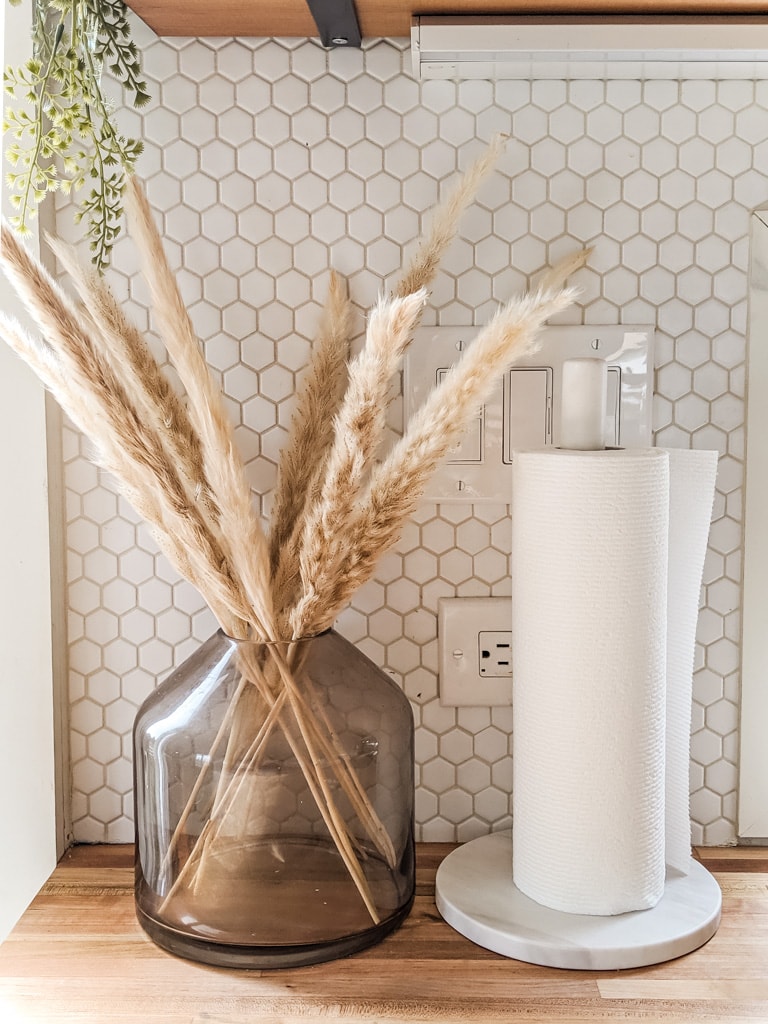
475 894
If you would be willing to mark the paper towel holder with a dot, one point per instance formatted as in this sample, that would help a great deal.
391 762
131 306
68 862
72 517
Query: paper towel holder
476 890
476 896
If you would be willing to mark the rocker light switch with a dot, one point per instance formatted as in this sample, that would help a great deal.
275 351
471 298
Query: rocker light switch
527 408
470 446
612 437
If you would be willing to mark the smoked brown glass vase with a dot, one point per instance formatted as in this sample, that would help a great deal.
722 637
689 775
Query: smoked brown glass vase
274 804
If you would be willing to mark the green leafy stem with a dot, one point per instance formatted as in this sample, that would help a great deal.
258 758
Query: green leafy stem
62 129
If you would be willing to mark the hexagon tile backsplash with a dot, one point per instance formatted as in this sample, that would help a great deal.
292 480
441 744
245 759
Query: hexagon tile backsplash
269 161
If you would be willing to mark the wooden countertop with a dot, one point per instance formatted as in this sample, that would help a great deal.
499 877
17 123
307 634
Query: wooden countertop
78 955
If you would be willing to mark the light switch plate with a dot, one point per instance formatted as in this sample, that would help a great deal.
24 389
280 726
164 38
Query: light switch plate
524 409
465 627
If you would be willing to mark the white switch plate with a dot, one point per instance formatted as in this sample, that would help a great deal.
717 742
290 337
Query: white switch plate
524 410
462 623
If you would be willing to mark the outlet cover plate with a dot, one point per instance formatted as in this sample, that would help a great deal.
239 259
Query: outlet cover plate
460 621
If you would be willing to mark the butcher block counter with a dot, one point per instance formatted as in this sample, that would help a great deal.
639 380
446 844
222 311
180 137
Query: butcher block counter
78 955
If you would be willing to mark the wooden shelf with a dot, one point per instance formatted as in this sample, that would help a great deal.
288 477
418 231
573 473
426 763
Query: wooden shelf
388 17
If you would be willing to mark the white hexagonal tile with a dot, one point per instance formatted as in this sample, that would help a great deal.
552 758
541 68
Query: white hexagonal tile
674 381
725 536
728 412
723 656
87 777
706 747
455 805
103 746
706 806
721 832
438 775
385 625
402 595
105 805
493 805
722 717
86 717
586 94
658 221
420 566
426 804
119 773
180 159
83 535
456 746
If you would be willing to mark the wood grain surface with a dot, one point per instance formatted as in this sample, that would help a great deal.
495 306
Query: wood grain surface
388 17
78 955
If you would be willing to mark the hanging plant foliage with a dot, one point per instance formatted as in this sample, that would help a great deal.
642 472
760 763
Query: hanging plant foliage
62 127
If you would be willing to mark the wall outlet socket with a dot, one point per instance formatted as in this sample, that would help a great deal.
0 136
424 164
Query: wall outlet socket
475 651
495 653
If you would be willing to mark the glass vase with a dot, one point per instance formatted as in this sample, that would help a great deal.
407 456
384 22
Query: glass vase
274 804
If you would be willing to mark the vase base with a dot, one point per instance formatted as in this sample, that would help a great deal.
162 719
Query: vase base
218 954
274 901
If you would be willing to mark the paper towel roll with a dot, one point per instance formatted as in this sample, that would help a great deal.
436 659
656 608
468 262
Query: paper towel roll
691 494
589 564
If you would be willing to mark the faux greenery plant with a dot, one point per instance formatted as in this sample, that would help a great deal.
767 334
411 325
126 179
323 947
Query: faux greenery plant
63 133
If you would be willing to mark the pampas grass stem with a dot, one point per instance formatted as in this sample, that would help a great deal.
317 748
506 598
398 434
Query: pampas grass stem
555 278
445 221
221 463
311 432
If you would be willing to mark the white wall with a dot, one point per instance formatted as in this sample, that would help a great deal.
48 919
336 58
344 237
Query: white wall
27 792
753 791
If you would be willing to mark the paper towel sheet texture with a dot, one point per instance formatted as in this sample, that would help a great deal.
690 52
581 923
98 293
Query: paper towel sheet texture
692 477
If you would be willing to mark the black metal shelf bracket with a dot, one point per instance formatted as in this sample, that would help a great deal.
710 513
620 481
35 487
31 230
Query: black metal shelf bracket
336 22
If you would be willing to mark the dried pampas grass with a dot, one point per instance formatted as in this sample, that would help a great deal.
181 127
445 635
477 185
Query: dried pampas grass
311 432
240 531
126 351
336 509
445 221
359 425
126 444
396 485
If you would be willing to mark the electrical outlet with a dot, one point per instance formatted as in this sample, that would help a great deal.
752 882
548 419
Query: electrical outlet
475 651
495 653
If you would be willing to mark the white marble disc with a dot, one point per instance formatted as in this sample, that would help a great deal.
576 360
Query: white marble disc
476 896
